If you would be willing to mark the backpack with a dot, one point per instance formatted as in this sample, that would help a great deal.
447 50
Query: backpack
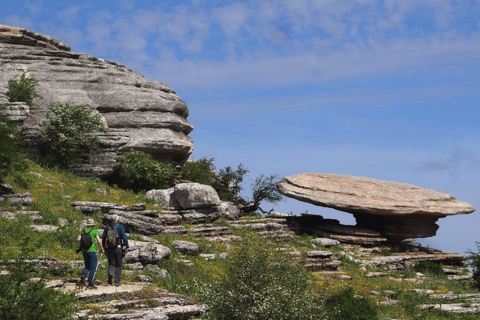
86 239
112 238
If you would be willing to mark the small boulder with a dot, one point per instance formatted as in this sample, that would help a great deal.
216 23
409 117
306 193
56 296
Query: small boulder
146 252
143 278
156 270
185 246
327 243
6 188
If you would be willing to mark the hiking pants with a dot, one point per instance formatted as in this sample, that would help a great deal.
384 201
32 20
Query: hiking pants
115 263
90 265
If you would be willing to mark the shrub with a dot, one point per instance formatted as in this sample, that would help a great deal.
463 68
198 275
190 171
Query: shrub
200 171
429 267
346 306
255 287
68 132
23 298
142 172
11 150
228 184
23 90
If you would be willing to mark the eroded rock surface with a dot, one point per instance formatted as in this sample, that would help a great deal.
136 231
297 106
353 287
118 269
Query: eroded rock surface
396 210
141 114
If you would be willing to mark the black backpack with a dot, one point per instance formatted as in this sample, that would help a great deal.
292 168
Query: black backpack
86 239
112 239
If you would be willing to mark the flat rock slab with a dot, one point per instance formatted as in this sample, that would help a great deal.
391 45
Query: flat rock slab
106 290
397 210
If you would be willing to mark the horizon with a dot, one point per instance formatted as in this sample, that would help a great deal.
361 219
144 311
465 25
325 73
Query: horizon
380 89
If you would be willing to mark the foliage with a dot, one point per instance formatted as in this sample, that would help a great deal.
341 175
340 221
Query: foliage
385 252
68 132
200 171
23 90
23 298
10 152
228 184
473 260
142 172
429 267
265 189
255 287
346 305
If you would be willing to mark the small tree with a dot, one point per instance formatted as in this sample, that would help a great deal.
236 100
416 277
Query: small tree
264 188
68 132
23 90
142 172
11 147
473 260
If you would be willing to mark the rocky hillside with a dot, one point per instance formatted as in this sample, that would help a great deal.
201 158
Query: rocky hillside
169 249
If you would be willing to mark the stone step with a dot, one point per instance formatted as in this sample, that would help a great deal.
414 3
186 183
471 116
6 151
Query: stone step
263 220
210 231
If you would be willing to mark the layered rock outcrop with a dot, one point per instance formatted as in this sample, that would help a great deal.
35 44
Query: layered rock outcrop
141 114
397 211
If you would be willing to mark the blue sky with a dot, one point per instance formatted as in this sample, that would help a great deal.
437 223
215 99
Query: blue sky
383 89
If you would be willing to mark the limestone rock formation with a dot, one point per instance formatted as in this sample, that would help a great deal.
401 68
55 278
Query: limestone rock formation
141 114
396 210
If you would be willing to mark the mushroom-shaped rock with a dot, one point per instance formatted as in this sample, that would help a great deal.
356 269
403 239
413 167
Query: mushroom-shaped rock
397 210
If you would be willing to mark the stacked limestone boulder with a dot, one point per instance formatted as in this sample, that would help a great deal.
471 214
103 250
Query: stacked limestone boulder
140 114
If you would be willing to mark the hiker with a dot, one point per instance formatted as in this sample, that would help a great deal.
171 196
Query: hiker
87 246
114 239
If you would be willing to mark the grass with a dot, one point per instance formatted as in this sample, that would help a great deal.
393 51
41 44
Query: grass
49 193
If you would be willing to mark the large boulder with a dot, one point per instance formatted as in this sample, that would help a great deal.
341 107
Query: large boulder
133 221
140 114
195 195
164 196
146 252
396 210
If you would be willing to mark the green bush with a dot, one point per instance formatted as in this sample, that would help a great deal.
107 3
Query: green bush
200 171
142 172
23 90
429 267
11 147
68 132
346 306
26 299
255 287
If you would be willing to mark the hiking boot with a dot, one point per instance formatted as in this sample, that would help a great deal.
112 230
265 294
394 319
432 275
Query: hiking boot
91 286
110 279
82 279
118 284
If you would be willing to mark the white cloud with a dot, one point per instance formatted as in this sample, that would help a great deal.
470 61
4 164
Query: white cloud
69 15
232 18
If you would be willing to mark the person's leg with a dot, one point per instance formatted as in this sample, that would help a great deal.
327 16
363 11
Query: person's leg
118 266
86 259
111 265
93 267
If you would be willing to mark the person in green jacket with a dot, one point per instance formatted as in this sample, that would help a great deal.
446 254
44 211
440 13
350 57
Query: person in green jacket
90 254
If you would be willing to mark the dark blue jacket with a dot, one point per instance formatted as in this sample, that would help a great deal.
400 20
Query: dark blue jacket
120 233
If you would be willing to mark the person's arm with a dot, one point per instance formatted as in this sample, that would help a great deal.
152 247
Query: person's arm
78 239
104 237
100 243
124 238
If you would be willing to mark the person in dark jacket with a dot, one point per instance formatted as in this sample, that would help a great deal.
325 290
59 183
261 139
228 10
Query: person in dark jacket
115 252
